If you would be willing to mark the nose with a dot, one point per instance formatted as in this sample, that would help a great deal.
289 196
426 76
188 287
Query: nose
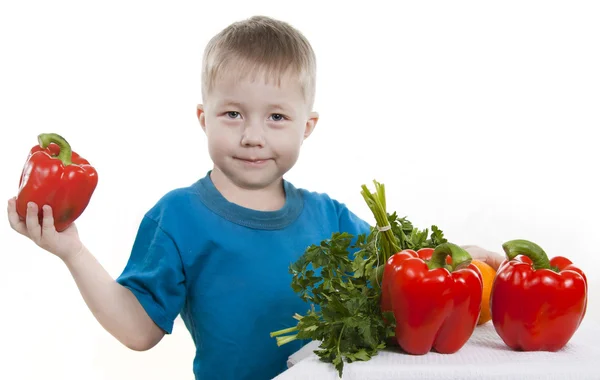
253 135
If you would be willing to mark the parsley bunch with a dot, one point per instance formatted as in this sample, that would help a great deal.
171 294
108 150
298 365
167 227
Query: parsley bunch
340 279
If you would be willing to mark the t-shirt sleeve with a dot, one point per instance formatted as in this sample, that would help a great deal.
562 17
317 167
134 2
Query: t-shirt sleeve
154 273
351 223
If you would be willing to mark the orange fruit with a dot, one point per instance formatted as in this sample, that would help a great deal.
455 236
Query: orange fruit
487 274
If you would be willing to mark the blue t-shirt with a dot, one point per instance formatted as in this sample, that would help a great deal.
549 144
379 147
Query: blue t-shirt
225 269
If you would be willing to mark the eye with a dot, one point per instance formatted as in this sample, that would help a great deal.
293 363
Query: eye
233 114
277 117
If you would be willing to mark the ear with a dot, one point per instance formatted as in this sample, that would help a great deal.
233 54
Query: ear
311 123
201 116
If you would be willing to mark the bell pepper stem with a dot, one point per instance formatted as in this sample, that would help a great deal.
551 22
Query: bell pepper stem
516 247
65 154
460 257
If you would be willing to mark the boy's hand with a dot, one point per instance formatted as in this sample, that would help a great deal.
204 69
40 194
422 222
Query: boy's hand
65 244
493 259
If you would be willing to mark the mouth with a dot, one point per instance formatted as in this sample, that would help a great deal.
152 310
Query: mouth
252 161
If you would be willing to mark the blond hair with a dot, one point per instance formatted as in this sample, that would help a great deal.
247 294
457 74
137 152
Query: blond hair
260 44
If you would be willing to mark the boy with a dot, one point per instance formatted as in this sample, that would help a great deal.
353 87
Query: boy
217 251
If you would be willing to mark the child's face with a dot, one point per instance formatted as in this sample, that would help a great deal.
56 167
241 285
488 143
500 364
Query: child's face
255 129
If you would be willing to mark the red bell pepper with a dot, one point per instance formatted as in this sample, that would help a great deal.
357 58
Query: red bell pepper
436 305
56 176
537 304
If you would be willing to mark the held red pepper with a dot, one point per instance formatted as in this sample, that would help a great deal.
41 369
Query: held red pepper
436 305
537 304
56 176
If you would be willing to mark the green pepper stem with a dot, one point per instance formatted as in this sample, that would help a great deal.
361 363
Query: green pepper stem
460 257
65 154
516 247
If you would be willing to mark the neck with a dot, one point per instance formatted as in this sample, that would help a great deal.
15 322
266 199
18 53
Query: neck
270 198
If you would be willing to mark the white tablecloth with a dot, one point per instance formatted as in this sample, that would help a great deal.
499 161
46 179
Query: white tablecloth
485 356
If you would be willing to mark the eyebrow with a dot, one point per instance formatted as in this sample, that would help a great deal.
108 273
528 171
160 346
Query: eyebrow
230 103
280 106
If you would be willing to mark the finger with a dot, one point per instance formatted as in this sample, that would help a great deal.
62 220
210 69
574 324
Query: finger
496 260
493 259
48 229
33 222
13 217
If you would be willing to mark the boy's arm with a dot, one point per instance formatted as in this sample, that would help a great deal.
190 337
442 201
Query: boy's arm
111 301
113 305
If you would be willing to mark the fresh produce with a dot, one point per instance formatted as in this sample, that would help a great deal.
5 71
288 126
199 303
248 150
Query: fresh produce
436 305
537 304
54 175
341 279
488 274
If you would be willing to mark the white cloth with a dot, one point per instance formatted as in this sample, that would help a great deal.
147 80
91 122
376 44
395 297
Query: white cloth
484 356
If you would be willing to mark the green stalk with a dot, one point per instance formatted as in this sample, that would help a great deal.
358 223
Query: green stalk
460 257
340 340
65 154
284 331
281 340
513 248
377 204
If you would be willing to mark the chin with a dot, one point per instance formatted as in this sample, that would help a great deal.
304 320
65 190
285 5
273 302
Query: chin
254 181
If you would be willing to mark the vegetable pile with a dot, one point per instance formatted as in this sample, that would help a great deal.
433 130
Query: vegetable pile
401 286
349 320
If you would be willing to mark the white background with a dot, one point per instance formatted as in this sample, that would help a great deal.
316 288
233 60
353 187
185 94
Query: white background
478 117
